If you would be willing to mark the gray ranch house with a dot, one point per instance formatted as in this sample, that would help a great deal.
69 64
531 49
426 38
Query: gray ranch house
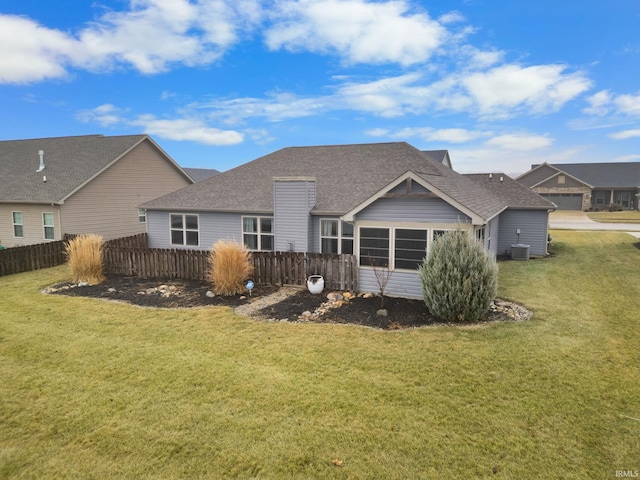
586 186
384 203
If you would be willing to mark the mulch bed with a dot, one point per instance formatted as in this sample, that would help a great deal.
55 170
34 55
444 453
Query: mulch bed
175 293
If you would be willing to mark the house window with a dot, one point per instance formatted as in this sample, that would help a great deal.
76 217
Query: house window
601 197
257 233
142 215
410 248
184 230
561 179
336 237
18 225
374 246
480 235
49 226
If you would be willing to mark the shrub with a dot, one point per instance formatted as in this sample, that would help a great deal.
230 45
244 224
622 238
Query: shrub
84 255
459 278
229 266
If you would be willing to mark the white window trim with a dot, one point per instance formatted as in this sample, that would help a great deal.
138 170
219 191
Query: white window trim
45 226
184 230
20 224
259 231
142 216
340 236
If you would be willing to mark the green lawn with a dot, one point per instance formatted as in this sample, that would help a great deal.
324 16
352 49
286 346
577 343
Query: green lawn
627 216
90 389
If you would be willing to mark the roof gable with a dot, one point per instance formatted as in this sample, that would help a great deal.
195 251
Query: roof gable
594 175
69 164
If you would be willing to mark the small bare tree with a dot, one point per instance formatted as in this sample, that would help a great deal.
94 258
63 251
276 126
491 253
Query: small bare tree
383 275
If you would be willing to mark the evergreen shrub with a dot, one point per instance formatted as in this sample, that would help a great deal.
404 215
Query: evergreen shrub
459 278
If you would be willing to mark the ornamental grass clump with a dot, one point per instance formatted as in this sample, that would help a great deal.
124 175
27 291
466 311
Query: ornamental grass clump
230 266
459 278
84 256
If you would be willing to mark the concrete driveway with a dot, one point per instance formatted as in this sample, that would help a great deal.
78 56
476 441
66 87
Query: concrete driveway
578 220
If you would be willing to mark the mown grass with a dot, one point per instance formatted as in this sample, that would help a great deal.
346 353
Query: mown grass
627 216
92 389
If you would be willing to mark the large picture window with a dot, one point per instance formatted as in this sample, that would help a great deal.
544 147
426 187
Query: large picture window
49 226
336 236
185 230
257 233
18 225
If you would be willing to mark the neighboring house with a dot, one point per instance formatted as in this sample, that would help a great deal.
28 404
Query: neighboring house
586 186
385 203
85 184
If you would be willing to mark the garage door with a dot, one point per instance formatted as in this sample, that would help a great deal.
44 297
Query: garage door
565 201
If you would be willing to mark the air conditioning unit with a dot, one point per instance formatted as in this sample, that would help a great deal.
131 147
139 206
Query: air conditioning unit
520 251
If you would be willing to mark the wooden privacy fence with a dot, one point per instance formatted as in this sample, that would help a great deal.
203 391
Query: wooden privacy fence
130 256
50 254
32 257
270 268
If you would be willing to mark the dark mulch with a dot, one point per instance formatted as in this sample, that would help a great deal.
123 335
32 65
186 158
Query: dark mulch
401 313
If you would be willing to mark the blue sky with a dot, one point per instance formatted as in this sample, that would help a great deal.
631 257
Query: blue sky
217 83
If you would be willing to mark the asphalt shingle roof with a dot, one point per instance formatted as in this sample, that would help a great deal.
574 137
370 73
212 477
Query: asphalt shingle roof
346 176
604 175
69 163
512 192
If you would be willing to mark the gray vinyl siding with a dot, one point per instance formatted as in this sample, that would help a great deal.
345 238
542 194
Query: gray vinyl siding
416 210
492 230
533 226
293 200
212 227
402 284
108 204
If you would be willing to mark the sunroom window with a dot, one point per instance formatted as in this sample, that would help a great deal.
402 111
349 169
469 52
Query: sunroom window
410 248
374 246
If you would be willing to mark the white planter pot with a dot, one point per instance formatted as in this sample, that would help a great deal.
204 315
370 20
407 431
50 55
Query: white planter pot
315 284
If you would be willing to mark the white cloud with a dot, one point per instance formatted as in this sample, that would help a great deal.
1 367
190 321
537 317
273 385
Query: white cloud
446 135
627 158
150 37
628 104
189 130
359 31
538 89
599 104
520 142
606 103
105 115
625 134
30 52
181 129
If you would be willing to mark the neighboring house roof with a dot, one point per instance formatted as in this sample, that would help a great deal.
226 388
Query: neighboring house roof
512 192
70 163
601 175
346 177
199 174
